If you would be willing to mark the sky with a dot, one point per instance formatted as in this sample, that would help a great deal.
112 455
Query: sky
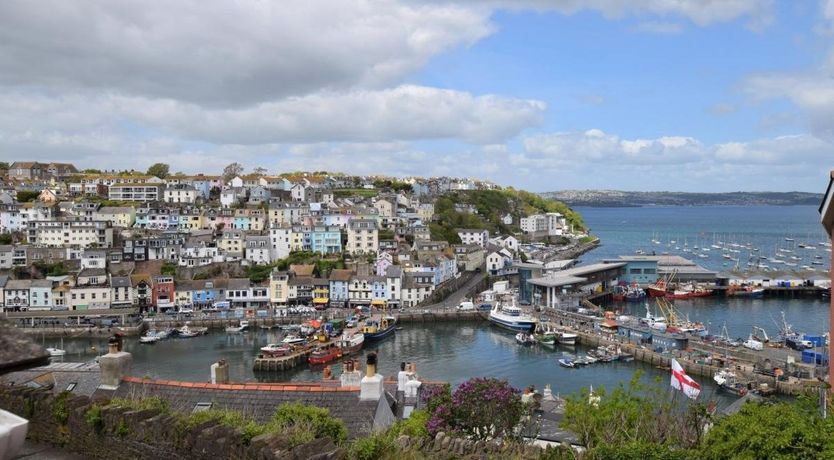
680 95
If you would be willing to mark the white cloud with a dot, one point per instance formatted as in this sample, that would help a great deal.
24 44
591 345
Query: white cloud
226 53
403 113
602 160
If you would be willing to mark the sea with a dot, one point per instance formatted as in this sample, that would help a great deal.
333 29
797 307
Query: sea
454 352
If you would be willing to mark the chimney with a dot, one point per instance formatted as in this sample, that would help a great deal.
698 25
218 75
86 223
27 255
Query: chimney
114 365
351 376
370 388
220 372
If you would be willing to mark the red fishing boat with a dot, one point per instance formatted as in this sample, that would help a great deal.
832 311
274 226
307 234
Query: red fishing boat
325 354
689 292
658 289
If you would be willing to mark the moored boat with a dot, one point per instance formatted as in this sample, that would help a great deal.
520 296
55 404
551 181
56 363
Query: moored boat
566 362
511 317
293 339
524 338
351 343
325 354
242 326
726 380
567 338
149 339
379 329
276 349
56 351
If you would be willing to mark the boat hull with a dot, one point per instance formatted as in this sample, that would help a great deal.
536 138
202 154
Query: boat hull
379 335
653 291
517 326
567 340
324 359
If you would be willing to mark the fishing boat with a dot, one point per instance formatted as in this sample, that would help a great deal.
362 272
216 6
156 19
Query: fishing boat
658 289
379 329
293 339
276 349
634 293
546 337
239 328
187 332
566 338
524 338
511 317
351 343
654 322
726 380
566 362
325 354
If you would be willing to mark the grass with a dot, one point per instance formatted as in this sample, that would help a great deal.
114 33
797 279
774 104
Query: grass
350 192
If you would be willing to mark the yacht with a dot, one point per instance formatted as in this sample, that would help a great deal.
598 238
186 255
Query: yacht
511 317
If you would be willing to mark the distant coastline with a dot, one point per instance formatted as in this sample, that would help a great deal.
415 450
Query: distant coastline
621 199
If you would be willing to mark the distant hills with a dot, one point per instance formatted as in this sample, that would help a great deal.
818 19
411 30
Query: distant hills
616 198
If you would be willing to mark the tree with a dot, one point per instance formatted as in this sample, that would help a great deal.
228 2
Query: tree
4 166
761 430
91 171
159 170
231 171
25 196
6 238
260 171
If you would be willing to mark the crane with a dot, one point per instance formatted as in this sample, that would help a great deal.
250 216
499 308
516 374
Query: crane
763 338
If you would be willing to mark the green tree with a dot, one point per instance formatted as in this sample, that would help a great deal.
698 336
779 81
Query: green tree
6 238
785 430
25 196
4 166
91 171
168 269
159 170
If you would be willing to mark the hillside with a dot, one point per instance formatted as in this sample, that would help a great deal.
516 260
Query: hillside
616 198
490 207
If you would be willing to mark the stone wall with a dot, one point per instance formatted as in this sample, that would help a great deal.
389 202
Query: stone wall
67 421
443 446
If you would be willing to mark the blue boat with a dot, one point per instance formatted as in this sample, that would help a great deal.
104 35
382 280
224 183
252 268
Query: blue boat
379 329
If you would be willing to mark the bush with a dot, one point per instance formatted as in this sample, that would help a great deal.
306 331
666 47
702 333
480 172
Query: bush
60 408
151 403
415 425
93 417
247 426
373 447
168 269
315 419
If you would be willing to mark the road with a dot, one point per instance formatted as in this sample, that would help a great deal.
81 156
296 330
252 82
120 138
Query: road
455 299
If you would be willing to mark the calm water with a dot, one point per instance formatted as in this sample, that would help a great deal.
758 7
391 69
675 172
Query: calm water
455 352
624 230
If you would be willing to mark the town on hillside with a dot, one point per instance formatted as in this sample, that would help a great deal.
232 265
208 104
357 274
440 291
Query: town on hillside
158 242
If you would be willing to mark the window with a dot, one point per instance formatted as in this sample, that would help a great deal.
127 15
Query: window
635 271
649 271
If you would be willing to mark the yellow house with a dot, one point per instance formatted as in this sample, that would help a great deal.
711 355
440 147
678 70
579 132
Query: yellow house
183 295
191 219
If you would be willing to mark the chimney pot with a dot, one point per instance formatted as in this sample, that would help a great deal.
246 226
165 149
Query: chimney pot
114 365
220 372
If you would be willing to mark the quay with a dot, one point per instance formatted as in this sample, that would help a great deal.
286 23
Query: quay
282 363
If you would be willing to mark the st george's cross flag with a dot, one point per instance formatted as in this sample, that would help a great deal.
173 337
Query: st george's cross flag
683 382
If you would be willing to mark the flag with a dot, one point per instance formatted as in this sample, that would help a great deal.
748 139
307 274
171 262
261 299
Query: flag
683 382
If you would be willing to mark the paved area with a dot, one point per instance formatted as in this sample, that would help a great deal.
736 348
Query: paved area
455 299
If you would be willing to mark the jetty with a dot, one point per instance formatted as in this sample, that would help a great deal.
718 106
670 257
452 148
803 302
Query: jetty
286 362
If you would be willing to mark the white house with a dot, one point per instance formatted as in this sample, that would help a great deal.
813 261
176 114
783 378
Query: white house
473 236
280 241
181 193
362 236
298 192
258 249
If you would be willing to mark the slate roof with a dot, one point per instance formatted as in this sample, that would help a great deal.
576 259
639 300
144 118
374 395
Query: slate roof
58 377
341 275
120 281
258 400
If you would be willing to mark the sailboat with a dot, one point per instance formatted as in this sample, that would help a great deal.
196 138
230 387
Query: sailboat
57 351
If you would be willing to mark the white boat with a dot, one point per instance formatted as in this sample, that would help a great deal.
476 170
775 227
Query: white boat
186 332
239 328
149 339
56 351
753 344
275 349
566 362
351 343
511 317
654 322
524 339
293 340
567 338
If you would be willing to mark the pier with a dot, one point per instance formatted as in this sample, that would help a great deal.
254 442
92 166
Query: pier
282 363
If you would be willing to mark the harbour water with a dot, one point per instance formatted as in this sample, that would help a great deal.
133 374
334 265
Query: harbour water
454 352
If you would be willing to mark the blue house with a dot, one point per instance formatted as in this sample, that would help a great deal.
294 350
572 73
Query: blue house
638 269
